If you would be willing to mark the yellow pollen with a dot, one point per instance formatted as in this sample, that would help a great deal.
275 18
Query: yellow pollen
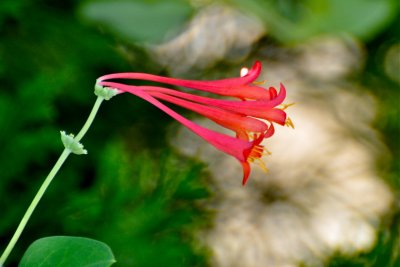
289 123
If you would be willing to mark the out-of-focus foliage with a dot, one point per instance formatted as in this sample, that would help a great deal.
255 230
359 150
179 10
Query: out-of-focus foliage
143 21
387 89
382 85
294 21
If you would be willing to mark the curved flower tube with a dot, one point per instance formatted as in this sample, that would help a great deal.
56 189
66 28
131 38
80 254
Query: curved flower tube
241 116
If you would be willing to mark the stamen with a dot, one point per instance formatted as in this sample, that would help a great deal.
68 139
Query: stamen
256 154
262 165
285 106
289 123
260 82
259 150
266 152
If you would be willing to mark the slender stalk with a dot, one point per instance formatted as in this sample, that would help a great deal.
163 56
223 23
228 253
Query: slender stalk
90 119
64 155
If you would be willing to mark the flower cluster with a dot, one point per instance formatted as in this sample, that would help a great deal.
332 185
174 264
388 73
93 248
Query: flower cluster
250 116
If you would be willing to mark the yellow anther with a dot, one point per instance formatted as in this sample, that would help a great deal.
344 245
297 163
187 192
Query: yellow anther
289 123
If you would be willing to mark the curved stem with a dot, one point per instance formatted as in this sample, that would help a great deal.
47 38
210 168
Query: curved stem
90 119
64 155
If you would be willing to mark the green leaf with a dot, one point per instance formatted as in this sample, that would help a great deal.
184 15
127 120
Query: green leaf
67 251
138 21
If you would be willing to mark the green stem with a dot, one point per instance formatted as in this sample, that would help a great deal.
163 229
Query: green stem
64 155
33 205
90 119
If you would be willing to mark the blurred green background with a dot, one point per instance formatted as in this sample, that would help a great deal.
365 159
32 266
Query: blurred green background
133 191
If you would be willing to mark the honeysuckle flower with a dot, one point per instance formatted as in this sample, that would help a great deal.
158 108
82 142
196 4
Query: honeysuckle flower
251 117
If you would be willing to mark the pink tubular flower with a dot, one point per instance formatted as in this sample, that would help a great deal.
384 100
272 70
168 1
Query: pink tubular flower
251 117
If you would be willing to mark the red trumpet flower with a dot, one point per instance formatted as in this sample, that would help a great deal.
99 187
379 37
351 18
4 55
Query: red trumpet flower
251 117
